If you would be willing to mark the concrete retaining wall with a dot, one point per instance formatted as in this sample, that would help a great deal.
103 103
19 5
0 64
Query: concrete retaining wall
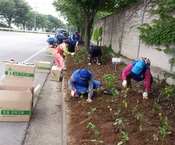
120 30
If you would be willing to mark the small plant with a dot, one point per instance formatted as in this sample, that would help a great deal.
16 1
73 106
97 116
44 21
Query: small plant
119 122
157 106
139 118
125 99
92 110
109 80
168 93
164 128
125 136
96 133
118 111
83 102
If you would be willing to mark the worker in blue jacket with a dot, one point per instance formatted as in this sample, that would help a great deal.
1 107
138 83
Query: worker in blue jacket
81 81
52 41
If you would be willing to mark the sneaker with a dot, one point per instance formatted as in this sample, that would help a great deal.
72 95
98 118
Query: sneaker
98 63
89 63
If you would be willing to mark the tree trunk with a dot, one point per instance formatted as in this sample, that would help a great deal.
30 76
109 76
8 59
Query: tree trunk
9 21
88 29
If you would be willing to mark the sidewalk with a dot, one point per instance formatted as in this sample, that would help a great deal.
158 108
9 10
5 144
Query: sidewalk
47 124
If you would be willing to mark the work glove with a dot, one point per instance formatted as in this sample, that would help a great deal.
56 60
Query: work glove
72 53
89 100
124 83
145 95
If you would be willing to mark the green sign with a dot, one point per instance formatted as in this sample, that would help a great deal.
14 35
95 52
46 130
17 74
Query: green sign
43 68
15 112
19 74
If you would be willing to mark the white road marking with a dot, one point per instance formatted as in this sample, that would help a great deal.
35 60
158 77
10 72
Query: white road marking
34 55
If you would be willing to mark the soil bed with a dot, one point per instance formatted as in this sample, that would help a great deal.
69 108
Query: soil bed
111 118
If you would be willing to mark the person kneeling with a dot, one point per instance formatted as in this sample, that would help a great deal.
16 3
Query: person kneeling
81 81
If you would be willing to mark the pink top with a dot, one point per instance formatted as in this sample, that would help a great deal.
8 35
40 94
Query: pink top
147 76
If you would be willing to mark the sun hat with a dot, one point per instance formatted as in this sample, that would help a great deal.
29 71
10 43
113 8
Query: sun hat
138 67
84 74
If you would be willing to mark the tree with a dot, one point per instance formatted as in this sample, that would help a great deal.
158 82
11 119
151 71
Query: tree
23 13
72 13
90 9
8 10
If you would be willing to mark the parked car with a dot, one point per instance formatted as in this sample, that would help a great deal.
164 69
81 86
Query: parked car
62 32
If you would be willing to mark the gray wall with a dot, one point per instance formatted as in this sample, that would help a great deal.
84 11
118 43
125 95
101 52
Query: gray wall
120 30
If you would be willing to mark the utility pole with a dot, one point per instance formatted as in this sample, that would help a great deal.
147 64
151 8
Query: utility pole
35 10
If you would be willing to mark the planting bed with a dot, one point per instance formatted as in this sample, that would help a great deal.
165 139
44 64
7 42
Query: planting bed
115 119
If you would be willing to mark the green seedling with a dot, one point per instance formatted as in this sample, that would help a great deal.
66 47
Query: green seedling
118 111
109 80
125 136
119 121
125 99
96 133
92 110
163 129
97 140
90 125
139 118
83 102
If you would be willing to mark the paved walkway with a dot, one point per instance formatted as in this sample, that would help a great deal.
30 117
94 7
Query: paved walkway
47 125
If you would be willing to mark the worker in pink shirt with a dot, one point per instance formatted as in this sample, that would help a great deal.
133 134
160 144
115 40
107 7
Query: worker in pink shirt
138 70
58 54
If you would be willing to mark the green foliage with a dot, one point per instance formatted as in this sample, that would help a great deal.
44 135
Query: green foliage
97 35
168 92
107 52
164 128
109 80
96 133
80 57
162 30
92 110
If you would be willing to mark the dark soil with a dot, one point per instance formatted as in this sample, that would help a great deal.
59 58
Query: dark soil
123 110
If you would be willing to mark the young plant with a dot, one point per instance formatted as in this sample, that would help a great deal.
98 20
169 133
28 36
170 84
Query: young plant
96 133
139 118
157 106
164 128
125 99
109 81
97 138
125 136
92 110
83 102
119 121
118 111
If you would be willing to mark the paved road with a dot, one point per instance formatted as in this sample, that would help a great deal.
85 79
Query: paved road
24 47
